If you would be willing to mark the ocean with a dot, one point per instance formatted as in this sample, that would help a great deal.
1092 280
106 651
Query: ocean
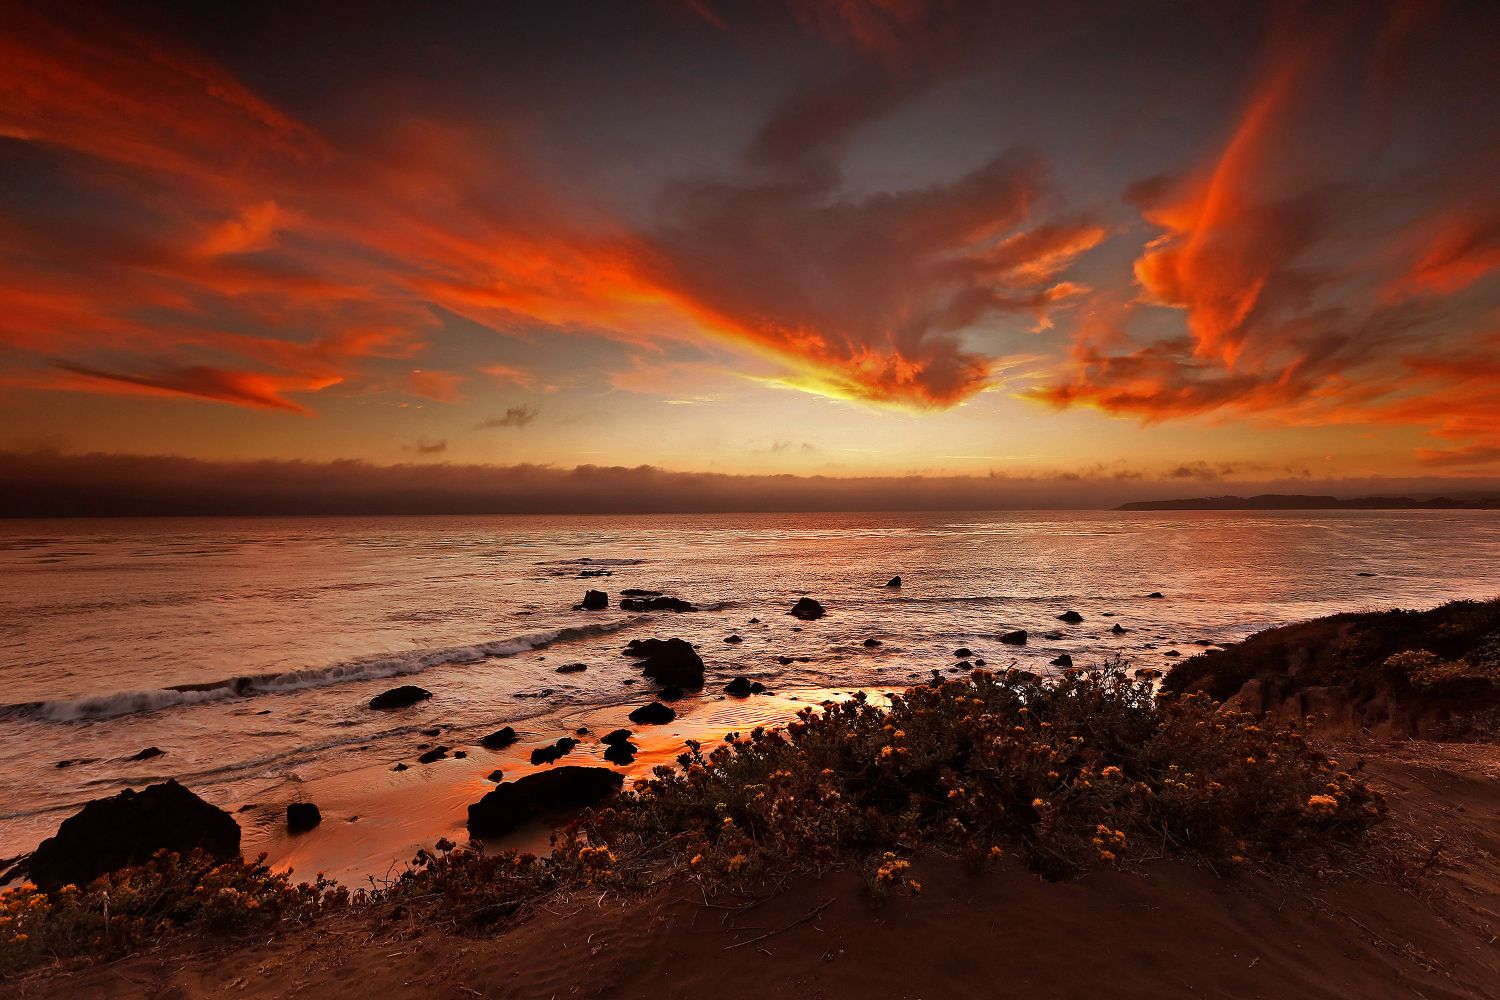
246 649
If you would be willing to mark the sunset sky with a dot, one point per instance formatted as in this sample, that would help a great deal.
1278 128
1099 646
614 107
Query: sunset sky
1197 242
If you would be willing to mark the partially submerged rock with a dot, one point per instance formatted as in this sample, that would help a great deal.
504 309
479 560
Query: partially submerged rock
146 754
657 603
668 661
1015 638
400 697
499 739
1063 660
894 581
572 668
302 816
436 753
516 803
594 600
128 829
558 750
654 714
1071 617
806 609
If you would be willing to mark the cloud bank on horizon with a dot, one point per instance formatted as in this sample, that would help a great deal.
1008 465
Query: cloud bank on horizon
1239 220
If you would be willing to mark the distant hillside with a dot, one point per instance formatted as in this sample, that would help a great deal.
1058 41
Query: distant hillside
1296 501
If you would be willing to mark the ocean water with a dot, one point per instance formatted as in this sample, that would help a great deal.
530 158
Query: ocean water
247 649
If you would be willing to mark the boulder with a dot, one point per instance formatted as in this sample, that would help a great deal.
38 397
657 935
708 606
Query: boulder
670 693
400 697
594 600
1053 636
1155 593
635 592
436 753
621 754
617 736
963 651
496 776
1117 628
740 687
654 714
499 739
572 668
148 753
669 661
301 817
733 640
806 609
658 603
515 803
1063 660
558 750
1016 638
127 829
1071 617
871 643
399 766
894 581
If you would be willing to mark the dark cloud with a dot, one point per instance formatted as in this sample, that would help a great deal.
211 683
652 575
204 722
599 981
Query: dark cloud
422 446
515 416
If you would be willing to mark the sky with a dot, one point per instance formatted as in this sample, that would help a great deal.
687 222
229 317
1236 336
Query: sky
1178 245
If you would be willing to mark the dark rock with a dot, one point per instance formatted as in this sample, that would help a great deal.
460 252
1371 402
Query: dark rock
1016 638
1063 660
962 665
460 754
432 732
572 668
894 581
148 753
546 755
1155 593
496 776
871 643
806 609
655 714
581 731
784 660
655 604
543 693
127 829
669 661
436 753
733 639
406 694
963 651
515 803
1071 617
399 767
594 600
1171 652
671 693
616 736
753 621
978 663
634 592
1364 574
758 688
301 817
1117 628
1053 636
739 686
499 739
621 754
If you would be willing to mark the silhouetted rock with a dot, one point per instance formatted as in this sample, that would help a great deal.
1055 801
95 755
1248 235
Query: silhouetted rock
1155 593
496 776
1063 660
127 829
1053 636
460 755
148 753
499 739
1071 617
399 766
733 640
546 755
621 754
1117 628
654 714
515 803
894 581
871 643
739 686
615 736
669 661
400 697
784 660
594 600
671 693
963 651
806 609
1016 638
634 592
436 753
572 668
301 817
657 603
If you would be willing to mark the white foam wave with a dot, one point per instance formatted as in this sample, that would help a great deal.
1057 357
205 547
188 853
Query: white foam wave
119 703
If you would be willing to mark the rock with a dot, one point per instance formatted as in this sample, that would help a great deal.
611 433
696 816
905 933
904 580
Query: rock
962 665
515 803
670 693
432 732
657 603
499 739
127 829
406 694
978 662
634 592
148 753
784 660
758 688
572 668
894 581
871 643
496 776
1155 593
962 652
1053 636
301 817
654 714
1016 638
621 753
1171 652
753 621
1364 574
581 731
546 755
617 736
436 753
460 755
400 766
670 661
733 639
1117 628
740 687
594 600
1071 617
806 609
1063 660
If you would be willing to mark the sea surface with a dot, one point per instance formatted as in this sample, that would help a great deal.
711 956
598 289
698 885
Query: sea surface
247 649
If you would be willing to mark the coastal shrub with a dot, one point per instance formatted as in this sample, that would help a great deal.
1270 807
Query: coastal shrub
123 910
